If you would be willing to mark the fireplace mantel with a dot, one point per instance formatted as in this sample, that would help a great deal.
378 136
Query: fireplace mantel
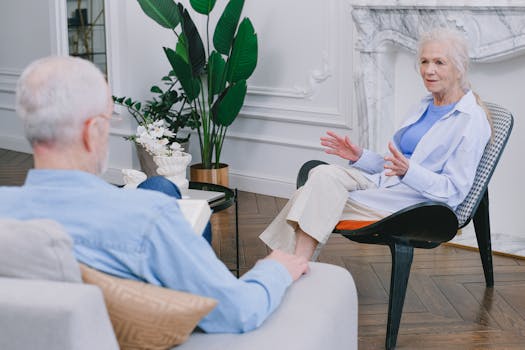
494 32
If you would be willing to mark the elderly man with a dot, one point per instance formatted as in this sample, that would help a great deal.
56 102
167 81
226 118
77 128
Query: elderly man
65 104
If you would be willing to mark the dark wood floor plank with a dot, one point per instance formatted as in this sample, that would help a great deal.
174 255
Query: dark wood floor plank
495 304
266 205
514 295
281 202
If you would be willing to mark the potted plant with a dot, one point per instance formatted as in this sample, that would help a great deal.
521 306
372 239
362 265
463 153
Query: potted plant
212 74
159 121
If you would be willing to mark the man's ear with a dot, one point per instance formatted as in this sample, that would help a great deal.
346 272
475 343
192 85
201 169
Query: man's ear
89 134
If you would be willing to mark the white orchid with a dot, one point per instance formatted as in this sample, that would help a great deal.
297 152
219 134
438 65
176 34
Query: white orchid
154 137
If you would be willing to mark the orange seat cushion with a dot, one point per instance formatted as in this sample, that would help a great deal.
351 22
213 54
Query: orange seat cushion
352 224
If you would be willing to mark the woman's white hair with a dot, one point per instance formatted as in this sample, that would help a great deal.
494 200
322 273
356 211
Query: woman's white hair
458 54
56 95
457 50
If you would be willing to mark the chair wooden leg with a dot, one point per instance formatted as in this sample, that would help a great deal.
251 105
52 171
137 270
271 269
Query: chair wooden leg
482 228
401 262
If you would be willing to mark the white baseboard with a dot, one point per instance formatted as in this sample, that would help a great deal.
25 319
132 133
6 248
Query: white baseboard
271 186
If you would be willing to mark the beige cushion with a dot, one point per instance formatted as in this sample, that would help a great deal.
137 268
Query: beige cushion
36 249
145 316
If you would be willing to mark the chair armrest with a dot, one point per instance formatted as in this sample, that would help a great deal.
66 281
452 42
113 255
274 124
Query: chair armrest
302 176
319 311
37 314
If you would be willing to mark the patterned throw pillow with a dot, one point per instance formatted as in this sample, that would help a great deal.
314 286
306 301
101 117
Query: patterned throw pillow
145 316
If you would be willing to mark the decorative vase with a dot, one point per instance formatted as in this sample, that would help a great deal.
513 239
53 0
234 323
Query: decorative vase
147 164
174 169
215 176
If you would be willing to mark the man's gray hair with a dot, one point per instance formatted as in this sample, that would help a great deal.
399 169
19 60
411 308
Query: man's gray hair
56 95
457 50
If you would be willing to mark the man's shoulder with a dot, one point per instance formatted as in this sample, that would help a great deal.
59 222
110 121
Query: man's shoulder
142 198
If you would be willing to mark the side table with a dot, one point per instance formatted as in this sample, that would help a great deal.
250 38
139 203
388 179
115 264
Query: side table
230 198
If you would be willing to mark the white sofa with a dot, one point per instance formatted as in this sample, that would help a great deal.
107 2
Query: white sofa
318 312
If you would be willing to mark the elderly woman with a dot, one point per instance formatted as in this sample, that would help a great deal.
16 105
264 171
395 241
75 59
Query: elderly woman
433 156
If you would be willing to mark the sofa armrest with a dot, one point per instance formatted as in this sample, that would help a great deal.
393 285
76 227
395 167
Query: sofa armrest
319 311
37 314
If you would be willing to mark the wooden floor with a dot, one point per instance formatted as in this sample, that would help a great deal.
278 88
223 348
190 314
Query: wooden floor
447 305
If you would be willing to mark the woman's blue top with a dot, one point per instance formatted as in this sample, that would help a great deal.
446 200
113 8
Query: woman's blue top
415 132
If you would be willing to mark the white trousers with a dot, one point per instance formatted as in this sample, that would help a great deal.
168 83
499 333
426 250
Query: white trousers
319 205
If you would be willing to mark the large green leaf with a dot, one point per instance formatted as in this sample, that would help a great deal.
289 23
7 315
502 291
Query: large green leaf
194 43
226 26
243 58
164 12
182 48
203 6
183 72
216 81
228 105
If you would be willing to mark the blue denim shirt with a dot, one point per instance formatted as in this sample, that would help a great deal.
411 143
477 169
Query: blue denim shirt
142 235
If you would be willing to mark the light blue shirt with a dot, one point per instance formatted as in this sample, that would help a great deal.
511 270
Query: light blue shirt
442 167
411 135
142 235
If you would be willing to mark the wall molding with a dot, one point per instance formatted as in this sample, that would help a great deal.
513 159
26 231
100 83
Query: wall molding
316 77
58 27
261 104
113 48
8 80
6 107
329 117
279 141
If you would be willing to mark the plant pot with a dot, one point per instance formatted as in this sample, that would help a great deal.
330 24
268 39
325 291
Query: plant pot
147 165
215 176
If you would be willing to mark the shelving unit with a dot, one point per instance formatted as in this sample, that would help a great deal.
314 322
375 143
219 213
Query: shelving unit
87 31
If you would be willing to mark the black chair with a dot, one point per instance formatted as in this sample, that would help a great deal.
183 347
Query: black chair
427 225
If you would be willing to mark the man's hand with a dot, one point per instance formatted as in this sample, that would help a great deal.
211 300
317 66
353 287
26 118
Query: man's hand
398 162
341 146
295 265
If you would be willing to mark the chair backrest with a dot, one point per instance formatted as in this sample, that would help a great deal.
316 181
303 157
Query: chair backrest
502 122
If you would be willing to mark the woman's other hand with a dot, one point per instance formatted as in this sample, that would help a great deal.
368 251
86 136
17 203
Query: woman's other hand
398 162
341 146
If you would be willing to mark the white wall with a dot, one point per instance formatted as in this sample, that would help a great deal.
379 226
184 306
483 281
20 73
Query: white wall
24 35
303 85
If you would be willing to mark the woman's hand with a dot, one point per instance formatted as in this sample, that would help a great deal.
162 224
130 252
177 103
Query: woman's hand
341 146
398 162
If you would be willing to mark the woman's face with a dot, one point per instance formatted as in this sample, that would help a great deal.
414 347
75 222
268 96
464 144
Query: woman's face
439 74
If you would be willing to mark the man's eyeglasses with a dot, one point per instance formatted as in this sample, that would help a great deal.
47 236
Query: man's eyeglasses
110 117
